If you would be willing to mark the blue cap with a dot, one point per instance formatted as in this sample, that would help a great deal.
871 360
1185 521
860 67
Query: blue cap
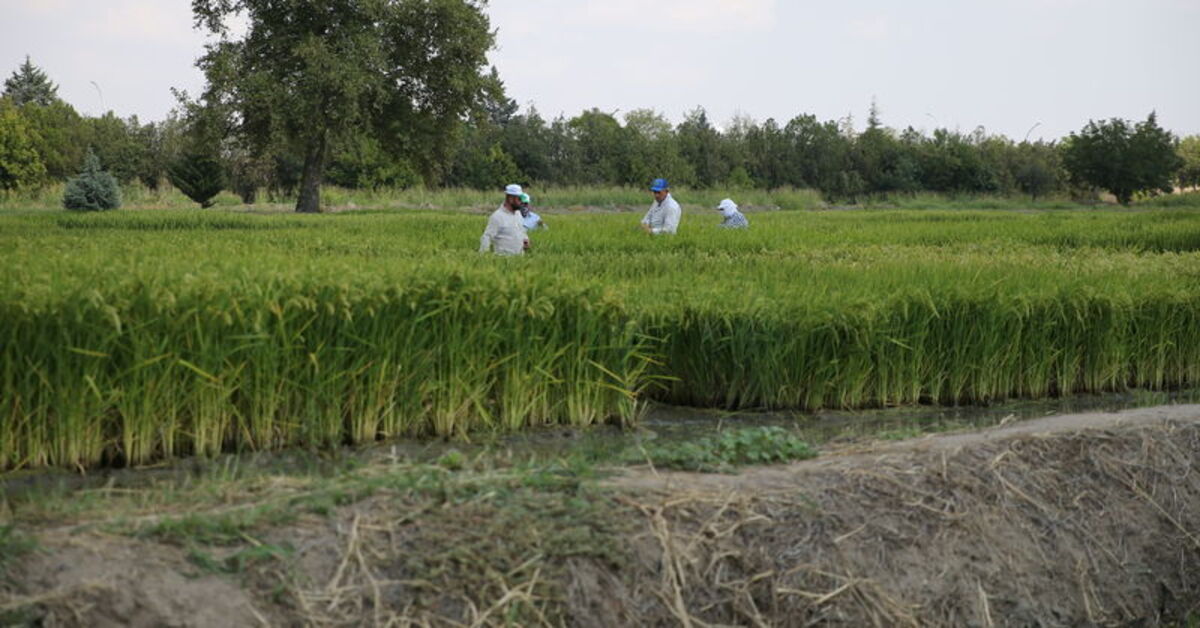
659 185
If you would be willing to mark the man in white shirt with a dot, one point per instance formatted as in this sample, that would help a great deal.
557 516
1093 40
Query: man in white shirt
664 214
505 233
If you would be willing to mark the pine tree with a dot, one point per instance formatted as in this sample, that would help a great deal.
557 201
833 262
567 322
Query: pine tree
93 190
29 84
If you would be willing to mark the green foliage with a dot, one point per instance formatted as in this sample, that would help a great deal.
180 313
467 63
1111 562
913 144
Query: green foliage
730 449
360 162
1189 153
123 148
408 69
61 137
452 460
1182 200
700 145
93 189
653 150
603 147
1123 159
1036 170
199 176
20 165
30 85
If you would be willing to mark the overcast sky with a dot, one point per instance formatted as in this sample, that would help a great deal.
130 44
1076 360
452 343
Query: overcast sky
1006 65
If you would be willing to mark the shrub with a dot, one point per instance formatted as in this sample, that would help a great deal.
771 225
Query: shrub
199 176
93 189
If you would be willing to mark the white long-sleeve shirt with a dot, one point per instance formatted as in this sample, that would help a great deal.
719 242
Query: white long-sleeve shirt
663 217
505 233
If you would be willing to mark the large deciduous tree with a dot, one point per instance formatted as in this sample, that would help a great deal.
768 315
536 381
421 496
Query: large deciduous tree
1123 158
309 72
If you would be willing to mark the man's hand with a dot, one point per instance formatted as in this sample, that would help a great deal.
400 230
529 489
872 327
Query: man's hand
525 245
646 228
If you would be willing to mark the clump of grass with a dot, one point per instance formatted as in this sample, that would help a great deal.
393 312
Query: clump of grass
13 545
240 561
230 528
728 450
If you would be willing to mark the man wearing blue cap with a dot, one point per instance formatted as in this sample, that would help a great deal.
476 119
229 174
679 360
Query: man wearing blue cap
505 231
664 214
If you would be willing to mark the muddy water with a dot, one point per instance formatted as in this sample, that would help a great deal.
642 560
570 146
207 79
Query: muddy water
603 444
678 424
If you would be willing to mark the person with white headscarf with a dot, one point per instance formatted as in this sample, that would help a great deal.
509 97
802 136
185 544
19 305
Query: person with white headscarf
734 219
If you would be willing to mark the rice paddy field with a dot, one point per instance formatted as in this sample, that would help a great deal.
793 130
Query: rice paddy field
134 336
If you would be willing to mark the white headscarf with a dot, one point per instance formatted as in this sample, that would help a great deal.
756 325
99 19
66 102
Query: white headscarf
728 207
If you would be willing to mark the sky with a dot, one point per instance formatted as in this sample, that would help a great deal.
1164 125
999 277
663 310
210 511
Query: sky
1036 68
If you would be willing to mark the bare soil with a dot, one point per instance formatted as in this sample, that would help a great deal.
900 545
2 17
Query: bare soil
1090 519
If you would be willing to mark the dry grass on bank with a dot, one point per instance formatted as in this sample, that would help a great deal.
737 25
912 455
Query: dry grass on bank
1069 527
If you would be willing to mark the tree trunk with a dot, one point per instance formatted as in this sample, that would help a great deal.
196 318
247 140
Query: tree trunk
310 181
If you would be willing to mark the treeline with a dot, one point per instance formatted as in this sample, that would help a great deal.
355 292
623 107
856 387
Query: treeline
43 139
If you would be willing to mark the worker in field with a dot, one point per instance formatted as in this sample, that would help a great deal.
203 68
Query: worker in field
734 219
664 214
505 232
529 217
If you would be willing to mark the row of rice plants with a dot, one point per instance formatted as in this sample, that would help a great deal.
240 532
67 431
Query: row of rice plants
137 336
943 348
138 371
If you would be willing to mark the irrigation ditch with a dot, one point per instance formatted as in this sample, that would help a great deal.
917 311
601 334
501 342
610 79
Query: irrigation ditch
1071 512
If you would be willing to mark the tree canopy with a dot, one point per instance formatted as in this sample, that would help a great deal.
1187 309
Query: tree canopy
309 72
29 84
20 165
1189 152
1123 158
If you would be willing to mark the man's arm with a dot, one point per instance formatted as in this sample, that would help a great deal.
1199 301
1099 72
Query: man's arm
493 227
671 220
646 221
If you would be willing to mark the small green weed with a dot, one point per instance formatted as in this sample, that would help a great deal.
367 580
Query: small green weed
239 561
221 529
454 460
13 545
733 448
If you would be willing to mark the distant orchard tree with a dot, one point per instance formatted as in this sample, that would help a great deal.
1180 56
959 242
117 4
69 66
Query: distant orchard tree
29 84
1123 158
1189 152
93 189
307 73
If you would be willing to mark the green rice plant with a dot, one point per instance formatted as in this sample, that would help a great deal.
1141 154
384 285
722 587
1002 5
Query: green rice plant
131 337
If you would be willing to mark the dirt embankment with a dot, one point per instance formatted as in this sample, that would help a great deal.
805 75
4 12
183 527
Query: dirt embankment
1082 520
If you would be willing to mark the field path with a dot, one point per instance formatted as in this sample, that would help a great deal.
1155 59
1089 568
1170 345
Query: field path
858 455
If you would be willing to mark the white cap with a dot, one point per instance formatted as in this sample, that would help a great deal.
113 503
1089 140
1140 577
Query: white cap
727 205
513 190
